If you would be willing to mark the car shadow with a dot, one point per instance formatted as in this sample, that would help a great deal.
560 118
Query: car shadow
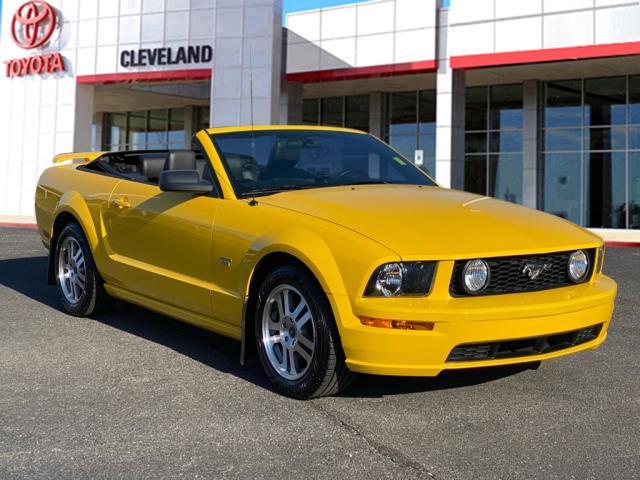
27 276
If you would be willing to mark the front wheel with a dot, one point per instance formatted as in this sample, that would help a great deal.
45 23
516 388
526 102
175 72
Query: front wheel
80 286
297 340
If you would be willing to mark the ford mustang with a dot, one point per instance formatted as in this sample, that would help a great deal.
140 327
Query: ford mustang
323 251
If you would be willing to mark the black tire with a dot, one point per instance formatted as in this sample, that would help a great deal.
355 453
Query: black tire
327 373
94 300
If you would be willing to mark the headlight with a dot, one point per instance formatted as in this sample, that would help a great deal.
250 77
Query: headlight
578 266
475 276
398 279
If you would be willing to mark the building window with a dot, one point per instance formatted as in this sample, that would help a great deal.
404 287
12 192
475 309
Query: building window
493 141
158 129
411 126
347 112
591 151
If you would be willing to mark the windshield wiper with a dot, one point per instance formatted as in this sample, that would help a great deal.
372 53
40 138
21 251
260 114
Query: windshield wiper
267 191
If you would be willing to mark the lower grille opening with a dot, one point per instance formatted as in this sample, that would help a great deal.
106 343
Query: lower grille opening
523 347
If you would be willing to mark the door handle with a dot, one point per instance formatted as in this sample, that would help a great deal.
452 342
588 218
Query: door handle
121 203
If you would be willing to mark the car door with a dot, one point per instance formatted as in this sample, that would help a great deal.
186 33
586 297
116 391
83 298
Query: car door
160 244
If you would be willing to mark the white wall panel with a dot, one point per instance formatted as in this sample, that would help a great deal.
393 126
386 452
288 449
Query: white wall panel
87 32
614 25
376 17
517 8
305 25
108 9
130 7
303 57
338 53
378 32
569 29
414 14
339 22
129 29
463 11
566 5
177 26
411 45
152 27
374 50
108 31
519 34
152 6
472 38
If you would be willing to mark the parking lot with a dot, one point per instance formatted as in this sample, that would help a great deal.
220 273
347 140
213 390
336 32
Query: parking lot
134 394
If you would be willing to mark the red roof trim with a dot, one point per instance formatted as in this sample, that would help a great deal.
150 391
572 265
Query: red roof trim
24 226
546 55
155 76
427 66
622 244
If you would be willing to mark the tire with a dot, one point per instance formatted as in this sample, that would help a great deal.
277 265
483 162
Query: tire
296 336
80 286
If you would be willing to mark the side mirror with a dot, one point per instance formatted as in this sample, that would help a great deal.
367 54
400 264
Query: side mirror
183 181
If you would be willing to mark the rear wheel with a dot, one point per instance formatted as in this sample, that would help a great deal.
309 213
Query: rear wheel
296 336
80 286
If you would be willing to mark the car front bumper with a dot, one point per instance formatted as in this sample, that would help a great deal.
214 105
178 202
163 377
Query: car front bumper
489 320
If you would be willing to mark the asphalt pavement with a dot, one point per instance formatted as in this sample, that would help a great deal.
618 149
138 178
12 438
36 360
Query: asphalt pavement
134 394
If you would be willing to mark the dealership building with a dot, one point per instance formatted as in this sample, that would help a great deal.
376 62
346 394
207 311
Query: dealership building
535 102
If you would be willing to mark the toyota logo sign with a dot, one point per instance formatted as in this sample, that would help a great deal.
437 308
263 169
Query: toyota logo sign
33 24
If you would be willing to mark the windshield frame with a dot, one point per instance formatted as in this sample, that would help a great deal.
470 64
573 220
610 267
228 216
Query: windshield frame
240 195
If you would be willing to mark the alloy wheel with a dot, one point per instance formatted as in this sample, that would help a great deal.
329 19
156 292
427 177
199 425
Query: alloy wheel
288 332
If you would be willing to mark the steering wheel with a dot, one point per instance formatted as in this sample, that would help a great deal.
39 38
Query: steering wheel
353 173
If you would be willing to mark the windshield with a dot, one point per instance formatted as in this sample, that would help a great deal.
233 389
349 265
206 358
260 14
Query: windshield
265 162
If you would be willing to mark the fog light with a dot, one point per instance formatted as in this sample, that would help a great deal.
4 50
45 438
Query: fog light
396 324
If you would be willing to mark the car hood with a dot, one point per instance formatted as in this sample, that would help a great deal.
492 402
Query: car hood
441 223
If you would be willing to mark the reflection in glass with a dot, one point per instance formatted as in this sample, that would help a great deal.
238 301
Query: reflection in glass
634 190
310 112
332 114
405 144
475 174
562 139
476 142
176 128
403 113
137 130
357 112
506 141
506 107
605 197
156 137
476 108
117 131
562 185
427 112
634 100
605 138
605 101
505 177
563 104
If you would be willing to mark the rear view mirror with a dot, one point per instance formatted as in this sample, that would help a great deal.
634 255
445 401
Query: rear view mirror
183 181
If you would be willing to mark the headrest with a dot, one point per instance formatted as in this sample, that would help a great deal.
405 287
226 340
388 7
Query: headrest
243 167
181 160
151 167
283 152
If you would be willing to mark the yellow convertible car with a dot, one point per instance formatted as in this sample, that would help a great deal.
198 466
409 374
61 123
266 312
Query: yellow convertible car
325 251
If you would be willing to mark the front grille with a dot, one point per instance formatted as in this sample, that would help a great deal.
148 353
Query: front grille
523 347
507 274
